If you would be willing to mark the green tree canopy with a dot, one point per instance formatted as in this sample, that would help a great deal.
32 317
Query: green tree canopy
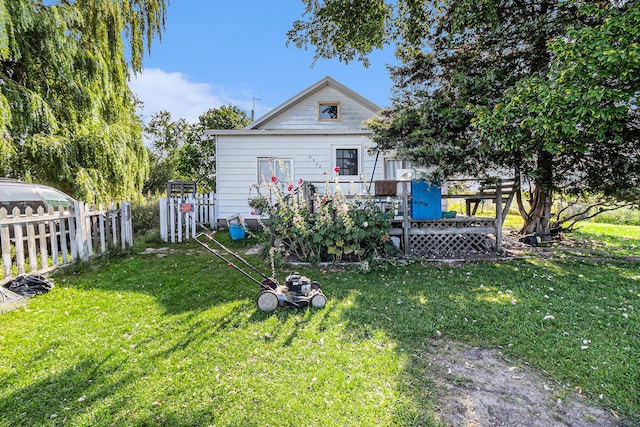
164 139
582 109
545 89
198 155
179 150
224 117
67 116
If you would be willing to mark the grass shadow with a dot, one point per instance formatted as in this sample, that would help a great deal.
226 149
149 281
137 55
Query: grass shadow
181 278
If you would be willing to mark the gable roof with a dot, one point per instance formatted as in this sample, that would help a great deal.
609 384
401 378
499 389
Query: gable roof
291 102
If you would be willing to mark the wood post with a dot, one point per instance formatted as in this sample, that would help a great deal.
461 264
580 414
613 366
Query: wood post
405 217
499 215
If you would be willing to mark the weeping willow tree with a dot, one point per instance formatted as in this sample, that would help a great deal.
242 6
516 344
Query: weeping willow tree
67 115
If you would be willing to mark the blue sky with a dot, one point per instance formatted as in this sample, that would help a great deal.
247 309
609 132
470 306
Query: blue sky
216 53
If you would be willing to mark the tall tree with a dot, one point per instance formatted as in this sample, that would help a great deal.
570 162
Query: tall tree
179 150
67 116
165 138
502 83
198 155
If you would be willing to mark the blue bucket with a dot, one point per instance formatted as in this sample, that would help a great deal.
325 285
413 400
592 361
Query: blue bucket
237 232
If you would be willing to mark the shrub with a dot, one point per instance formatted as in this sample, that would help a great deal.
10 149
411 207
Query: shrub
624 216
145 216
334 229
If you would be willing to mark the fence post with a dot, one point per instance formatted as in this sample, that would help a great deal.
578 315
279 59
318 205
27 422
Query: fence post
65 227
81 234
6 246
87 224
180 218
405 217
113 218
31 241
499 215
194 216
126 227
213 220
101 228
19 242
172 219
42 238
164 226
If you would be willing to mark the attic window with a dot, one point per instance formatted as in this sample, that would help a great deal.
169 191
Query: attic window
328 111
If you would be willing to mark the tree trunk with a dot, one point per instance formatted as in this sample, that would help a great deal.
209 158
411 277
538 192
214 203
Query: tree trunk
537 219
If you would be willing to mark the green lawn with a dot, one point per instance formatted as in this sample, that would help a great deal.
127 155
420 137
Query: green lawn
177 340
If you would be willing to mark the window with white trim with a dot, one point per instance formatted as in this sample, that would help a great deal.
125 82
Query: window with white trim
270 167
348 160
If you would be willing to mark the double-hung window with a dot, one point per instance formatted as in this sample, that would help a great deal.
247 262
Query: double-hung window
272 167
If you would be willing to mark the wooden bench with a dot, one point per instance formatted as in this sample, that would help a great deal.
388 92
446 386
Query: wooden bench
489 191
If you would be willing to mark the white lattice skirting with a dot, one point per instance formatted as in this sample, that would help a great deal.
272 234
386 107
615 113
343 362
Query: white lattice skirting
452 237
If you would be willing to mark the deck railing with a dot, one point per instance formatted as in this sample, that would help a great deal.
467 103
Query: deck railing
439 236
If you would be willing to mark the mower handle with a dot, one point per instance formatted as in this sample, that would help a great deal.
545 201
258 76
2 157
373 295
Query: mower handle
235 255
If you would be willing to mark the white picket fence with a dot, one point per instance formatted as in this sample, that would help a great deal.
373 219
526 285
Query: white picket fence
59 238
179 216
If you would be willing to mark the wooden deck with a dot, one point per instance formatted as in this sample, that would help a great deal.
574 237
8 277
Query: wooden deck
445 237
448 237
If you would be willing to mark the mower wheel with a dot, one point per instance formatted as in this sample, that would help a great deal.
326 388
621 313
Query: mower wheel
318 301
267 301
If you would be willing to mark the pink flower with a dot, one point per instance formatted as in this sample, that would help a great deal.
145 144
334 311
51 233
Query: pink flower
290 187
300 181
274 179
253 212
337 169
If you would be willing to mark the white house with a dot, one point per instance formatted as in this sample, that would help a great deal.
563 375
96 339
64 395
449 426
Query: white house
311 134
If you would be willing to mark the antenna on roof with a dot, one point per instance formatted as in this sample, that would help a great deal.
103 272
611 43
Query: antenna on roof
253 108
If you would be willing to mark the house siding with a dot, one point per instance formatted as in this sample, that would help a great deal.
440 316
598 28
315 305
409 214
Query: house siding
293 131
303 115
311 155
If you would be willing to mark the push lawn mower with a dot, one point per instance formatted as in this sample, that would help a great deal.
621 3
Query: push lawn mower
297 290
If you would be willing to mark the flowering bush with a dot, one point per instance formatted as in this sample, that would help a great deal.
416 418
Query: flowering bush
325 227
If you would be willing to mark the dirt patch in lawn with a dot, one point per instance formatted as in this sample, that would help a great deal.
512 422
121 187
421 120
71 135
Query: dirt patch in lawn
479 388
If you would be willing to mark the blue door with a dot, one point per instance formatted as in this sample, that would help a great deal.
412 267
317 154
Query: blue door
426 200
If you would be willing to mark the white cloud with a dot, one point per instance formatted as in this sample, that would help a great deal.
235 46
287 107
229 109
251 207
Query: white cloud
175 93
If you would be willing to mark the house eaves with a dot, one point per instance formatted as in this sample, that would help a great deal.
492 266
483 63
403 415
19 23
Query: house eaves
249 131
